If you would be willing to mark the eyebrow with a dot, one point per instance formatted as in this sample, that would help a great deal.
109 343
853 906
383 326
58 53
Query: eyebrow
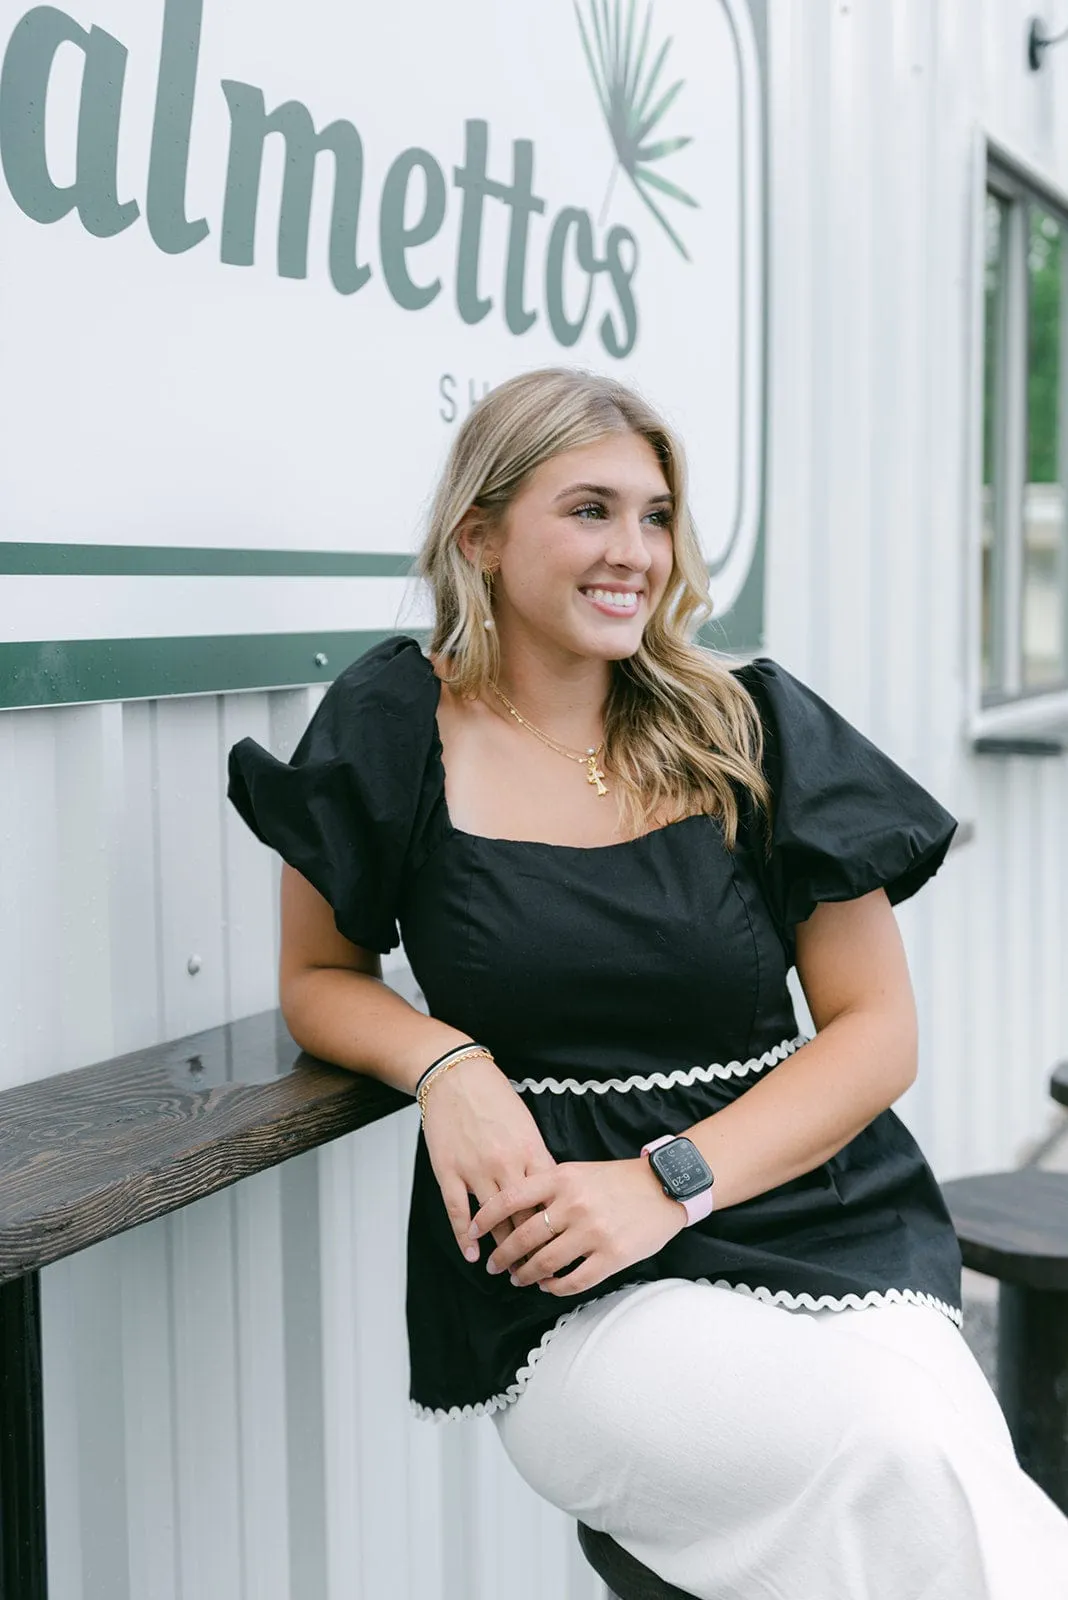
608 493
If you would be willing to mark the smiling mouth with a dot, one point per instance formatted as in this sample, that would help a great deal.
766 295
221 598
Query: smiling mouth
613 602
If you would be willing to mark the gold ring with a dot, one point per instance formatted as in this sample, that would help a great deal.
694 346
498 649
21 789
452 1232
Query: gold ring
548 1224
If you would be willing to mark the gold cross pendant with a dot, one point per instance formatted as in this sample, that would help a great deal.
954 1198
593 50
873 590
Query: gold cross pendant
594 774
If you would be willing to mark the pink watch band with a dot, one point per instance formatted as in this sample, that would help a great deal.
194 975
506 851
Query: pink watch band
700 1205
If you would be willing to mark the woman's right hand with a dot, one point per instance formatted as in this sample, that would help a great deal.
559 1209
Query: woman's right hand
480 1138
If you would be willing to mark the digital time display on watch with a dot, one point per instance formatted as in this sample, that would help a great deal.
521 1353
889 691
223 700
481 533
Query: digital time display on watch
681 1168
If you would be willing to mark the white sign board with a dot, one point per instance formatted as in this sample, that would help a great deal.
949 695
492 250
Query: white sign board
261 259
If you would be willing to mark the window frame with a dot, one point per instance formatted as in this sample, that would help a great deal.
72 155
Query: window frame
1013 711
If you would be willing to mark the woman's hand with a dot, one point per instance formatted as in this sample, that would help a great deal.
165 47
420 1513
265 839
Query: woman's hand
612 1213
481 1138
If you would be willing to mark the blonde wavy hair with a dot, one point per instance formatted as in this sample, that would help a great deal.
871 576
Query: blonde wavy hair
680 731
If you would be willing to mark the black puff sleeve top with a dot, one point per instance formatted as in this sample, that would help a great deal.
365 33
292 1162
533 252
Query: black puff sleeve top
628 990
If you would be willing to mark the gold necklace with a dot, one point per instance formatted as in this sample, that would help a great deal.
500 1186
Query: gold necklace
594 774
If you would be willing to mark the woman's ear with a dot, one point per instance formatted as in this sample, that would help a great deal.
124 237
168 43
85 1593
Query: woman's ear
468 531
473 536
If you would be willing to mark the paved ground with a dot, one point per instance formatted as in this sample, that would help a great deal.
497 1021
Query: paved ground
980 1293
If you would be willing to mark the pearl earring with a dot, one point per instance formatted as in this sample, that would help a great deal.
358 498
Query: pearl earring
488 622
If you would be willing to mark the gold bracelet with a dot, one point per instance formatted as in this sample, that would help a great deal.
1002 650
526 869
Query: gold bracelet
463 1055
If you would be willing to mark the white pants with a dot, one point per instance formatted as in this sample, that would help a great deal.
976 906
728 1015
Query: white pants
740 1449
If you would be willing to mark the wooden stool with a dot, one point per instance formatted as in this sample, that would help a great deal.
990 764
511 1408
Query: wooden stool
627 1579
1013 1226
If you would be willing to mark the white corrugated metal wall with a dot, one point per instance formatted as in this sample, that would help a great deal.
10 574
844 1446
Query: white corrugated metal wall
226 1390
874 110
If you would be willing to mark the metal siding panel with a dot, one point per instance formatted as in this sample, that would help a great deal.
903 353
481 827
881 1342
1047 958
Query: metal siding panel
207 1428
63 1414
946 1050
261 1381
1052 918
151 1444
249 893
820 392
90 1285
847 444
1016 997
36 891
791 423
341 1308
305 1399
461 1573
86 746
137 967
980 950
902 419
424 1510
12 848
377 1347
190 775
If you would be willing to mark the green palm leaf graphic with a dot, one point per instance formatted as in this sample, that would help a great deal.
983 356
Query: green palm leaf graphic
633 99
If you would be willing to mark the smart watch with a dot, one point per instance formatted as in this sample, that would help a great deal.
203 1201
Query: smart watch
684 1173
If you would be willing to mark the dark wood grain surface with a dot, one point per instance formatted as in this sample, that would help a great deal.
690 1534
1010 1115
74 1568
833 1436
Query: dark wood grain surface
1013 1225
90 1153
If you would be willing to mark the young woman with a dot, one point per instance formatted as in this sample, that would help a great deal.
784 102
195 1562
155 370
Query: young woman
738 1351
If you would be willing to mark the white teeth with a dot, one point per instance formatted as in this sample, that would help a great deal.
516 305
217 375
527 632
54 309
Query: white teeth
613 597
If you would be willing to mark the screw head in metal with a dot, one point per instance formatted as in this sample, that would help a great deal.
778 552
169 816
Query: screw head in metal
320 659
193 966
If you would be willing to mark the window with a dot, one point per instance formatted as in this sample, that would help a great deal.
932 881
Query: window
1023 544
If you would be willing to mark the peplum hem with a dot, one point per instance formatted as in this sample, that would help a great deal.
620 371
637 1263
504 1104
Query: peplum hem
778 1297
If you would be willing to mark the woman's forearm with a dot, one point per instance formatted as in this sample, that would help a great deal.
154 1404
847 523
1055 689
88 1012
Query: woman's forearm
355 1020
809 1106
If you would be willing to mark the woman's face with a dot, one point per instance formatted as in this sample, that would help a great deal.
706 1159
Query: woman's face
586 550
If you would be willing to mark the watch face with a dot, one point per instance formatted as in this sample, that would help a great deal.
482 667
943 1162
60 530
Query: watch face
682 1168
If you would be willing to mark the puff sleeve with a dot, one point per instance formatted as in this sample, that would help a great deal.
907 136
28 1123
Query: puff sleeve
349 806
846 819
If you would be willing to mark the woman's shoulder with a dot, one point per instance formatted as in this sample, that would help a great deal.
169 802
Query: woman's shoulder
352 806
846 817
769 681
799 724
391 673
387 694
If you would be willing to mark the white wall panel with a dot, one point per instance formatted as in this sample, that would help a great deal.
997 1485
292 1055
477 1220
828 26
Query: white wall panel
227 1411
137 914
263 1519
189 774
248 892
150 1528
874 110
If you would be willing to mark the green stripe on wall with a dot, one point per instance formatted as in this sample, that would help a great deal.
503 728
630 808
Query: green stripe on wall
186 561
63 672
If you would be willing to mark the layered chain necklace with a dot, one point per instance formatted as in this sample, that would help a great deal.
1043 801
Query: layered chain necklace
594 774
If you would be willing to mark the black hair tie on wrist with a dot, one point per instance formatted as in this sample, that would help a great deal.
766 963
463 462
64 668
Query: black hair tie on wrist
455 1051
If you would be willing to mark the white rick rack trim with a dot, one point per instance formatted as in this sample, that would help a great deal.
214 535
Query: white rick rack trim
775 1297
685 1076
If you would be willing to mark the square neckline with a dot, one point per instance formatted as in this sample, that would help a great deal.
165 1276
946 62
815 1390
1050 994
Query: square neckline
438 753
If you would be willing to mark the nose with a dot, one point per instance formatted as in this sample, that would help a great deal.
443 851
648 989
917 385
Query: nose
626 545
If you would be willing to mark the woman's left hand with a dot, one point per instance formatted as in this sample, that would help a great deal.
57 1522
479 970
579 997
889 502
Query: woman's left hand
606 1215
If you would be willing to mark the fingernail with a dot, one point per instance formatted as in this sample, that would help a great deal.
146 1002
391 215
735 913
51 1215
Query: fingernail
471 1254
515 1281
491 1266
473 1230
